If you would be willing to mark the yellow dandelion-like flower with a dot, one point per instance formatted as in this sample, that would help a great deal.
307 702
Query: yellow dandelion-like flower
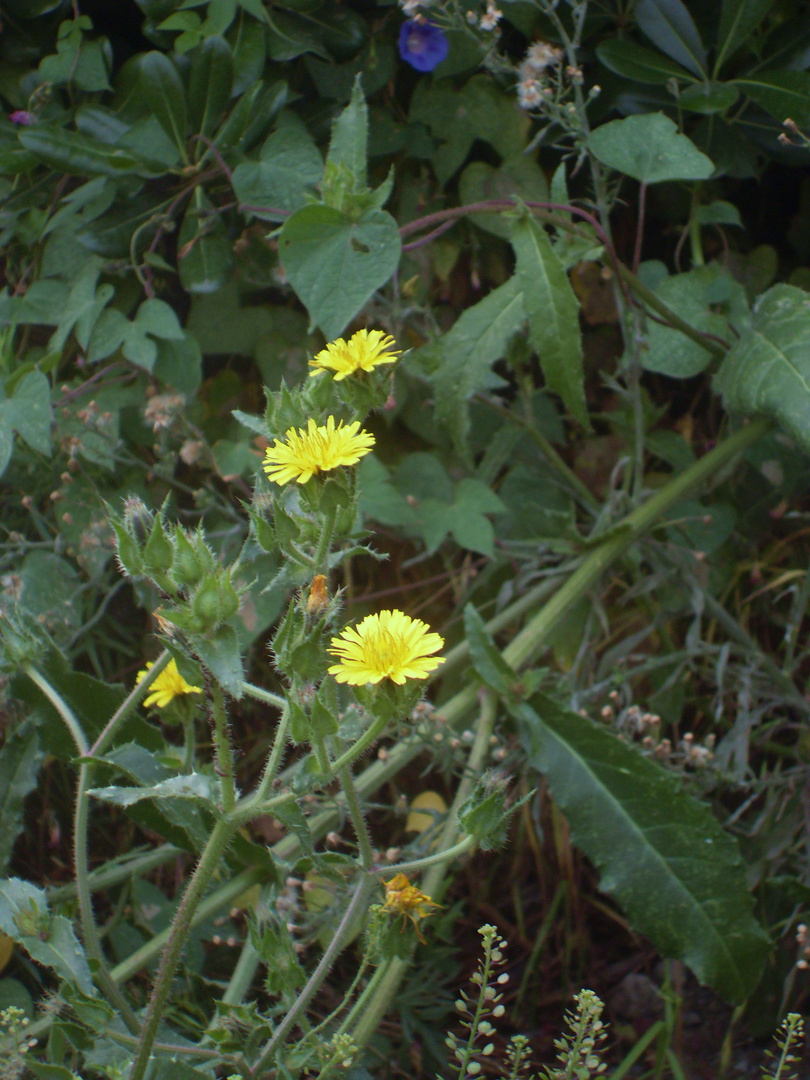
316 450
388 645
167 686
402 898
363 351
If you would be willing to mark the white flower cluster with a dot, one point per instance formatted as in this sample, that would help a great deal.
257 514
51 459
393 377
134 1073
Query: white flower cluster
490 19
539 57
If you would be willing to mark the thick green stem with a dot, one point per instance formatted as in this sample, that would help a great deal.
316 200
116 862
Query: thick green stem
357 904
356 814
373 733
222 741
209 860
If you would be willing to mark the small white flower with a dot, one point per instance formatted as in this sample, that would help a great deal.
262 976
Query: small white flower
529 93
409 7
493 15
541 55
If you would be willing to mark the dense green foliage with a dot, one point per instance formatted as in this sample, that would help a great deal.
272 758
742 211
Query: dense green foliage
590 455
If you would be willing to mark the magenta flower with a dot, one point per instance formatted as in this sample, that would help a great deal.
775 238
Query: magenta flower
20 116
422 45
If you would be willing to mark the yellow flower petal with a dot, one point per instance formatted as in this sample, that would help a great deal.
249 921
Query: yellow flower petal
167 686
388 645
363 351
316 450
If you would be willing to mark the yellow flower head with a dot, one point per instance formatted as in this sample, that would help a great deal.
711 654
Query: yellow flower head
318 449
167 686
363 351
402 898
388 645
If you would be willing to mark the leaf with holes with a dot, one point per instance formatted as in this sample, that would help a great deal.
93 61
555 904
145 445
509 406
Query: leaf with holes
335 264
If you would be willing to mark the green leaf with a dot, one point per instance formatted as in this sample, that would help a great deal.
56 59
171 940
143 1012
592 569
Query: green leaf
708 97
553 313
194 786
719 213
6 442
48 939
668 24
72 152
480 110
155 317
465 355
20 760
675 873
649 148
28 411
210 85
633 61
486 658
783 94
335 264
289 168
767 370
519 175
163 91
204 253
349 143
220 654
738 18
709 299
464 518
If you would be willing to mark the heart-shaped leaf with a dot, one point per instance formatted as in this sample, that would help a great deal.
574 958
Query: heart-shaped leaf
335 264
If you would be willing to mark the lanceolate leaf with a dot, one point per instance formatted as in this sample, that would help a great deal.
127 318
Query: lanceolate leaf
553 313
72 152
668 24
350 135
634 62
737 19
20 760
783 94
210 85
465 355
165 96
675 873
767 370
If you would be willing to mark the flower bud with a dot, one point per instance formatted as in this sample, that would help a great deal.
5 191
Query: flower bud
158 553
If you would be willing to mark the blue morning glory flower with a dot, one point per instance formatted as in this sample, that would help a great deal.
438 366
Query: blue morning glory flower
422 45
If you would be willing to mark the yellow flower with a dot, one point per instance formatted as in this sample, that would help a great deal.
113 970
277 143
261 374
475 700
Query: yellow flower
318 449
388 645
362 352
167 686
402 898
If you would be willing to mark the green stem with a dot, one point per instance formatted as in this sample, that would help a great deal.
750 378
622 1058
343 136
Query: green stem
62 707
209 860
274 758
429 860
357 904
242 976
222 742
356 814
320 560
132 867
527 644
264 695
363 743
136 694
